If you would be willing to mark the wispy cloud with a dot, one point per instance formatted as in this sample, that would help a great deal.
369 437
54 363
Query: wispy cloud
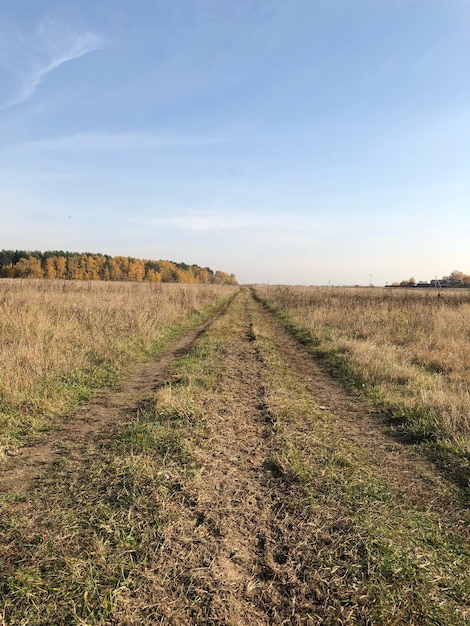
90 142
42 52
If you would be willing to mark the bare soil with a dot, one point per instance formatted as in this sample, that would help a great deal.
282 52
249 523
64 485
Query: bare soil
237 552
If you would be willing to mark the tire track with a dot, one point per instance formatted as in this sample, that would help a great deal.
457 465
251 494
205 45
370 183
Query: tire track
96 419
399 463
213 549
238 551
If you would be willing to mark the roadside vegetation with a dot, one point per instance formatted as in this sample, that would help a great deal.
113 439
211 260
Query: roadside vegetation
63 340
375 553
406 351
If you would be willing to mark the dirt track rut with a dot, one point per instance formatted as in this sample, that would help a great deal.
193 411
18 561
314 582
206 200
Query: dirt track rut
223 545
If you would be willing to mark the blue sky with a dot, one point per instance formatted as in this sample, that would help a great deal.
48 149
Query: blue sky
286 141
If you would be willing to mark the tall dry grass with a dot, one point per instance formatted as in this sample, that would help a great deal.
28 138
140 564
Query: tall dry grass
411 348
59 340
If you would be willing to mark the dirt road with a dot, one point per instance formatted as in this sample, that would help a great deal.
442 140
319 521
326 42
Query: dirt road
273 523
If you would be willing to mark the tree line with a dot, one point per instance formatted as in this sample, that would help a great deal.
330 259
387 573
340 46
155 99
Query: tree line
62 265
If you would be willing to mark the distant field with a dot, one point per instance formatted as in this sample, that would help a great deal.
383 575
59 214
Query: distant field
60 340
409 350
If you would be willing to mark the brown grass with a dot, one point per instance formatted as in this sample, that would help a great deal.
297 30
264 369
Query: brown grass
408 349
60 340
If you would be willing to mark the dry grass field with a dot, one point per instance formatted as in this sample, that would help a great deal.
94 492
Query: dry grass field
60 340
227 477
408 350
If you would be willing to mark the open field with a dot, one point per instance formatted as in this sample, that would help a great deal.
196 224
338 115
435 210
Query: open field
61 340
407 351
230 479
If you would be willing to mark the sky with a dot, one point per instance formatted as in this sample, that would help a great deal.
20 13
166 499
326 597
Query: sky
285 141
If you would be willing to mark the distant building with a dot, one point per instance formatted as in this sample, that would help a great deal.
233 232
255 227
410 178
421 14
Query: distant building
440 282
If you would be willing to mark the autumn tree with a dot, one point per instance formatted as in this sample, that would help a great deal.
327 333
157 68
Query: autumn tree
136 270
168 272
201 274
119 268
88 266
153 276
73 271
457 276
60 266
28 268
221 278
50 268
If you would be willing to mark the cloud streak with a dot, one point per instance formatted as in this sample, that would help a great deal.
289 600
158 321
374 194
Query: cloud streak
91 142
50 47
